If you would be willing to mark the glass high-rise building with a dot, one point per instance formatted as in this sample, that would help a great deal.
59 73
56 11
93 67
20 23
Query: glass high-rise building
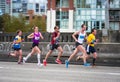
69 15
15 7
114 14
5 6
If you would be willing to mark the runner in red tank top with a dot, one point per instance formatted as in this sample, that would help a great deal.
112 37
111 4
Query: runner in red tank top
54 44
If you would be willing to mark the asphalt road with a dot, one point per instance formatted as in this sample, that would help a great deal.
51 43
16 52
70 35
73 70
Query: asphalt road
30 72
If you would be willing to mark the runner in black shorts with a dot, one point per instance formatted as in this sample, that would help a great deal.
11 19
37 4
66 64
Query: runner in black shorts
17 46
91 41
79 46
34 44
35 36
90 49
54 45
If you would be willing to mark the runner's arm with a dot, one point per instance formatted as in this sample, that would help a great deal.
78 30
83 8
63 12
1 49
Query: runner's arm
74 36
57 36
41 36
30 36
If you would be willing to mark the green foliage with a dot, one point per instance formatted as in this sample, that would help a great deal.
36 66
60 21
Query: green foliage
38 21
1 23
11 24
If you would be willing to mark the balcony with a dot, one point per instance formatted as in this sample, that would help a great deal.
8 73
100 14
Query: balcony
115 18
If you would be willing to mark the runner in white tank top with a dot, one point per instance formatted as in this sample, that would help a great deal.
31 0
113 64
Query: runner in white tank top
79 47
81 37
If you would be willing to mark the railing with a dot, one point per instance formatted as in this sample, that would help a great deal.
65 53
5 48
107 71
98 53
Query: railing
8 37
113 36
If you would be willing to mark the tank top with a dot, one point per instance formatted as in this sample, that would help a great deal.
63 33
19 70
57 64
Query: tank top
36 38
54 35
81 37
17 45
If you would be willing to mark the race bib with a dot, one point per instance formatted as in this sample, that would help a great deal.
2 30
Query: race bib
37 38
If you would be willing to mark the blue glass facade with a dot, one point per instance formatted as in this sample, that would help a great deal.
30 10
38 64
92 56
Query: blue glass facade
89 12
114 14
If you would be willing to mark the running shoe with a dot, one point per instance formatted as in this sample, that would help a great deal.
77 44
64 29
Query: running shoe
93 65
8 54
44 62
86 64
39 64
24 60
78 58
66 63
19 62
58 61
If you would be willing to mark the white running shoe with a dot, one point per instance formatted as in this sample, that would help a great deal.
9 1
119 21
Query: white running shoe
39 64
24 60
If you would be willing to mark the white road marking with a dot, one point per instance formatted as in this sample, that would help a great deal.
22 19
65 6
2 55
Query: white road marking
64 71
114 73
1 67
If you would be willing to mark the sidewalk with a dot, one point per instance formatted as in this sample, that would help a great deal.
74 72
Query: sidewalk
104 59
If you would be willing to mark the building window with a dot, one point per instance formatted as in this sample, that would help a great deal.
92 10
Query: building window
37 7
65 15
89 12
114 15
64 24
37 10
16 1
90 3
65 3
30 6
58 3
62 19
57 14
114 25
114 3
42 10
62 3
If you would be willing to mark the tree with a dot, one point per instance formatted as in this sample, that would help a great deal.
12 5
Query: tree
12 23
38 21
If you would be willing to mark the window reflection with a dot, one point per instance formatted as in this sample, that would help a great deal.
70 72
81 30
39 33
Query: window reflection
114 3
91 13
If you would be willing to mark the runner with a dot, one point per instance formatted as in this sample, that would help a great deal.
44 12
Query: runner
35 49
79 46
17 46
54 45
91 41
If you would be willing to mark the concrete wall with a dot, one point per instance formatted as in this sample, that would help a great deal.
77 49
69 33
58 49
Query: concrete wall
108 50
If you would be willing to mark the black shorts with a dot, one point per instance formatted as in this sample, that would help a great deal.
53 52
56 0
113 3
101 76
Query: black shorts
90 49
77 44
34 44
17 49
54 46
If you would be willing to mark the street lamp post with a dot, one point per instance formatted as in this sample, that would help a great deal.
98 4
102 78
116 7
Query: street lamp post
60 17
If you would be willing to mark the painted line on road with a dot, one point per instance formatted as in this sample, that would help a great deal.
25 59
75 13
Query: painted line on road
114 73
1 67
64 71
